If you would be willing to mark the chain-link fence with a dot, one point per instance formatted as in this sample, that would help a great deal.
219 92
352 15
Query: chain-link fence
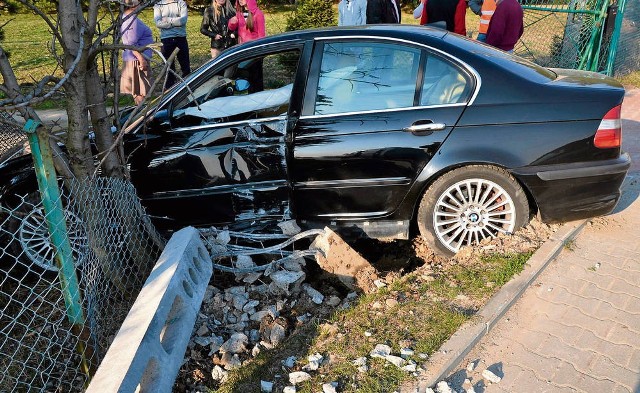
628 54
114 248
579 34
13 141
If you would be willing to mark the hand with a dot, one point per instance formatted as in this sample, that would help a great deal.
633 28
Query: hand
232 35
143 66
218 37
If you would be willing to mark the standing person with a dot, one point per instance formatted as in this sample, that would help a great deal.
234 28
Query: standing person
352 12
215 24
250 24
451 12
136 73
484 8
170 17
383 11
506 26
248 21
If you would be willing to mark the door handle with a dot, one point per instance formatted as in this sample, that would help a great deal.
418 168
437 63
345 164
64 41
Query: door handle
426 127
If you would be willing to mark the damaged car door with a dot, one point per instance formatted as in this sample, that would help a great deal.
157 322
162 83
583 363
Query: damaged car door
223 157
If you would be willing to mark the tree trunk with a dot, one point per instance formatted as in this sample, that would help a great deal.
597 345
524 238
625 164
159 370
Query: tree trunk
112 166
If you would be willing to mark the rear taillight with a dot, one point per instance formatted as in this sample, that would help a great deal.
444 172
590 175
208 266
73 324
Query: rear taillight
609 132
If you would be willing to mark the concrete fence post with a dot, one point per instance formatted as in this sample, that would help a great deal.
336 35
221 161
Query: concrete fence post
148 350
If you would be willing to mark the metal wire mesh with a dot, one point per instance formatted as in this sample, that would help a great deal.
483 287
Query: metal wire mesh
114 248
558 32
13 141
628 54
579 34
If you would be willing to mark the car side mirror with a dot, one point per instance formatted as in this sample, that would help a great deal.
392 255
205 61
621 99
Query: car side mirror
242 85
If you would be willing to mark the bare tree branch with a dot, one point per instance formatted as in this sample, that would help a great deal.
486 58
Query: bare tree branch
58 85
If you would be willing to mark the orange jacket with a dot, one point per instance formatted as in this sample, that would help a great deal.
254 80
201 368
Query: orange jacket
487 10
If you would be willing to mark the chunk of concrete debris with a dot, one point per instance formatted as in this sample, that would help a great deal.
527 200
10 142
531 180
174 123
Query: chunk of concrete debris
406 352
314 294
202 341
344 262
379 283
443 387
223 238
329 387
380 351
235 344
203 330
315 361
395 360
289 227
218 374
244 262
289 362
298 377
277 334
333 301
490 376
411 367
266 386
283 278
361 363
230 361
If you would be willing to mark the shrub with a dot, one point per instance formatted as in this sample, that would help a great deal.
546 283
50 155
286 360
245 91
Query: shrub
310 14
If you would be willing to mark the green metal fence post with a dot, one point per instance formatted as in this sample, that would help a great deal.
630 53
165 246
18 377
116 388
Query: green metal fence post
613 47
54 214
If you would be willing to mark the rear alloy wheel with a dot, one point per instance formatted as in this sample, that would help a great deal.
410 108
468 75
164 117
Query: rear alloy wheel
32 235
470 204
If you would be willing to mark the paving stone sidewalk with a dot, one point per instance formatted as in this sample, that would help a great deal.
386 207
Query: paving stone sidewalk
578 328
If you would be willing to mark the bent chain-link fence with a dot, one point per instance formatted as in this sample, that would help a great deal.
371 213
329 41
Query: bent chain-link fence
13 141
628 54
114 248
581 34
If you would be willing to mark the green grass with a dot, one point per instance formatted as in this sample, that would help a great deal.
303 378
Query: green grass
427 313
631 80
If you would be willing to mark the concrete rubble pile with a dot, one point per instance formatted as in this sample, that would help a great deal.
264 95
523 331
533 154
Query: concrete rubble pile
260 307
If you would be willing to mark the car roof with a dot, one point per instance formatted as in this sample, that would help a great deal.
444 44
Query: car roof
409 32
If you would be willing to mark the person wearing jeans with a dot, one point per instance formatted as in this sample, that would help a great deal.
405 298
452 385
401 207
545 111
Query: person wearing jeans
170 16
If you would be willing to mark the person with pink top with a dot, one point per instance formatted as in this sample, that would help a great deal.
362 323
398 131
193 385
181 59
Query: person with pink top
249 21
250 24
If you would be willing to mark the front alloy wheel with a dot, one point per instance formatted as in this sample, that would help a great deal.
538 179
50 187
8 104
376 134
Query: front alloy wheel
470 204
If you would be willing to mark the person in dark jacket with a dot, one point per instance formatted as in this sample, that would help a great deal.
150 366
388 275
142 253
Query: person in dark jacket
215 25
506 25
383 11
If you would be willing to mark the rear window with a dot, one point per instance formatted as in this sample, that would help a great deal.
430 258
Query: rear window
516 64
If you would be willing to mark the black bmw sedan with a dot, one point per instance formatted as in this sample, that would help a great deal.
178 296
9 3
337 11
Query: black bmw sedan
376 130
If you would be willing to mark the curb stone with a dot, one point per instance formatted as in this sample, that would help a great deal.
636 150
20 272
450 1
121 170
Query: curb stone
443 362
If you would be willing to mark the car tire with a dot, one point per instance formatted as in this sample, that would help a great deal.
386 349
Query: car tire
30 244
452 214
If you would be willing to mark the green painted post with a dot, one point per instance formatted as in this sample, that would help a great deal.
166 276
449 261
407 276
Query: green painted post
54 214
613 46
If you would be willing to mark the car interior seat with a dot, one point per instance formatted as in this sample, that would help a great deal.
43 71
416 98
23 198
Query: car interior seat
448 84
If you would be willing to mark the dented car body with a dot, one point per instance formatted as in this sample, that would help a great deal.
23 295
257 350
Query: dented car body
374 129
